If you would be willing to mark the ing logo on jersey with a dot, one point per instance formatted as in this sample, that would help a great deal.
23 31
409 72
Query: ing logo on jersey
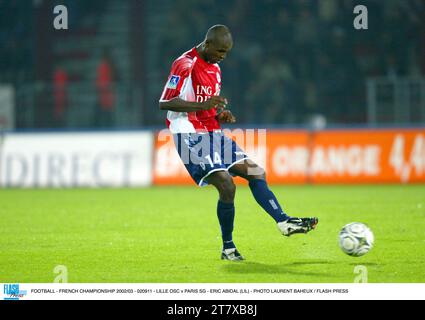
172 83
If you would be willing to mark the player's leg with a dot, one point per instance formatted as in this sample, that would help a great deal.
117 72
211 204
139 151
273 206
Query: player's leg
255 175
226 188
199 155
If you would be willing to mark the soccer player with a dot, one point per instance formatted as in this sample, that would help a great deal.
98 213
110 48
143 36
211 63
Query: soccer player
195 111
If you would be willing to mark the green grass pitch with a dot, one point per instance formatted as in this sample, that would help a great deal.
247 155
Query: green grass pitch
171 234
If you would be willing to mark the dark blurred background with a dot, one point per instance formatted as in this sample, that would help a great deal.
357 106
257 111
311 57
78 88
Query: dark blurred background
294 63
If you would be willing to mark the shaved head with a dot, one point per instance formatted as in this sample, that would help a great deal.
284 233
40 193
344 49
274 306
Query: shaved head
218 42
219 34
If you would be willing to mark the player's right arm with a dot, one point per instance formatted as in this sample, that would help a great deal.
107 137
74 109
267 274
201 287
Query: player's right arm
179 105
172 99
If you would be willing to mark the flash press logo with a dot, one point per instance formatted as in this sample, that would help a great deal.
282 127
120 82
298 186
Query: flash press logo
12 292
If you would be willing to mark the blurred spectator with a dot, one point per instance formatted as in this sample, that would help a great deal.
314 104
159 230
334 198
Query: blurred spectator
270 90
60 96
106 80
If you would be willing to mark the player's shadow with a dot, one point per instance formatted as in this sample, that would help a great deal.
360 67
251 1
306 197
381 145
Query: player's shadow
245 267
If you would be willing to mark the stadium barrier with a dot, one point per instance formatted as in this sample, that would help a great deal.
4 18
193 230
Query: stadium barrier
329 156
143 158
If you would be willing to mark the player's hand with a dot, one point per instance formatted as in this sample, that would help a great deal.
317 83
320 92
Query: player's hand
214 102
226 116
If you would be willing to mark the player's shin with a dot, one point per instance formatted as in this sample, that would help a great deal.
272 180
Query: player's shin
226 217
267 200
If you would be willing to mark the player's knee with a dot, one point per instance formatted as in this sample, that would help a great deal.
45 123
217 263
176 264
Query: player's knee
227 189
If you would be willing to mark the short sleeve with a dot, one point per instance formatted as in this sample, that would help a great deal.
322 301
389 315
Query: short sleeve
180 70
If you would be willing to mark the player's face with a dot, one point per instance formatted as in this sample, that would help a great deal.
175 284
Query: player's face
217 52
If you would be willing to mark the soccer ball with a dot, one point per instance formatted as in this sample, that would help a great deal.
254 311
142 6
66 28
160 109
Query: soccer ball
356 239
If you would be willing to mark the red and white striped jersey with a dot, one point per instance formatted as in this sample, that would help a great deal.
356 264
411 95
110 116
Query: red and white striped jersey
192 79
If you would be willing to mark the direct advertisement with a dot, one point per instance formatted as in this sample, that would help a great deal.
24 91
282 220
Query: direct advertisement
76 160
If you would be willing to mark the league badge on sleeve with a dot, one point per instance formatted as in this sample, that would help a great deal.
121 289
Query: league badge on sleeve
172 83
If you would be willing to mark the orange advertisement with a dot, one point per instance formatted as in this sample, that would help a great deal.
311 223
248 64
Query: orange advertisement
330 156
287 156
368 156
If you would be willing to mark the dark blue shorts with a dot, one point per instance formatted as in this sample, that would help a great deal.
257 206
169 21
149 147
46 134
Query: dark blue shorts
205 153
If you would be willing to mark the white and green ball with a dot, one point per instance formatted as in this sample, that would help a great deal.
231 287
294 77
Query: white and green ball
356 239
